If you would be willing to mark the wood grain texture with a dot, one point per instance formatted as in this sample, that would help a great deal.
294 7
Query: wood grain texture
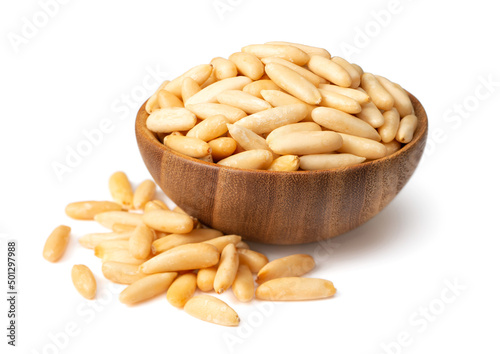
281 207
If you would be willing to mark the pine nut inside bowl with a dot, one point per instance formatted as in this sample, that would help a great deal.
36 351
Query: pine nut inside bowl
303 157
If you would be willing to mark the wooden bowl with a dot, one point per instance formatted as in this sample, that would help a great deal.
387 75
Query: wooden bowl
280 207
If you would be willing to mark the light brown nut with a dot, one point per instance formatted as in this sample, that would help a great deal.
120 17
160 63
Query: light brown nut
167 100
207 110
209 93
227 269
147 287
56 243
243 285
371 115
184 257
155 205
173 240
152 103
293 83
222 147
329 70
108 218
210 309
92 240
140 241
256 87
189 88
205 278
342 122
121 273
223 68
210 128
295 289
120 255
306 48
189 146
84 281
87 210
407 128
312 77
121 190
363 147
144 193
243 100
305 142
353 72
392 147
254 260
379 95
294 265
246 138
168 221
122 227
284 163
290 128
110 246
328 161
167 120
182 289
357 95
270 119
251 159
339 101
287 52
222 241
402 101
199 73
390 127
248 65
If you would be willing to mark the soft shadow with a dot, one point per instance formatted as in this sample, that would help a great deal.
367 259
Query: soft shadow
387 229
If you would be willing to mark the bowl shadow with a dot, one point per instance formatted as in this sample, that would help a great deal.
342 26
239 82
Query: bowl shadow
379 233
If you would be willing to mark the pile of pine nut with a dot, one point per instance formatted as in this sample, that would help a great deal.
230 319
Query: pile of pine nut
155 250
281 106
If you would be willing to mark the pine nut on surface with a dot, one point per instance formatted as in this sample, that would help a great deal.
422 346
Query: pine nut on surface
210 309
295 289
84 281
56 243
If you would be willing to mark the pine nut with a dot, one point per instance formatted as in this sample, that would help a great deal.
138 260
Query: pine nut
184 257
147 287
211 309
289 266
144 193
87 210
56 243
84 281
295 289
228 267
121 190
181 290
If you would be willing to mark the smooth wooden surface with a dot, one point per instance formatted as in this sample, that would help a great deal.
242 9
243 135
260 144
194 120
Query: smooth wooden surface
280 207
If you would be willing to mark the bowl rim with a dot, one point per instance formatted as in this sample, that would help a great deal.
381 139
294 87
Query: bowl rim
420 134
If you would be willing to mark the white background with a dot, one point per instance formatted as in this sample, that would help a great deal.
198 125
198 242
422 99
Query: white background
87 62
